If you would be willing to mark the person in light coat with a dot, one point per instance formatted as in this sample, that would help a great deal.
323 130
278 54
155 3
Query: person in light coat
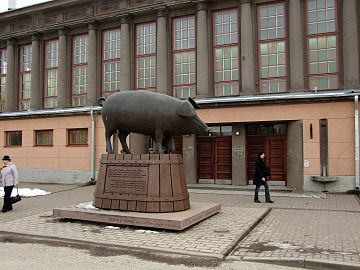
9 179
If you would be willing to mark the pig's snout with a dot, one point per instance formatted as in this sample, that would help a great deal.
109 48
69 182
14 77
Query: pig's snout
205 131
201 128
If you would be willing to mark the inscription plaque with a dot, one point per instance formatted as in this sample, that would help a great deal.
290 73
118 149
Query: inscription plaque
127 179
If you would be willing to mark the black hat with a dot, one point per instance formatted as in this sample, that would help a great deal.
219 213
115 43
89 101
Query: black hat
6 158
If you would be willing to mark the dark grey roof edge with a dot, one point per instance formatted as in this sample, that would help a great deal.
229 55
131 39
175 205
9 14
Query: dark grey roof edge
201 101
50 112
279 97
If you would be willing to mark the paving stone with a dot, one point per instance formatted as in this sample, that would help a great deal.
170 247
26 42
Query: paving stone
234 222
315 234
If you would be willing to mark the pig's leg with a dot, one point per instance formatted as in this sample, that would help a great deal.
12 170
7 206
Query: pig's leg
122 138
108 135
159 136
171 145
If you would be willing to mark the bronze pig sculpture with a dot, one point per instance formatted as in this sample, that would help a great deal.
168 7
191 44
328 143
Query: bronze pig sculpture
157 115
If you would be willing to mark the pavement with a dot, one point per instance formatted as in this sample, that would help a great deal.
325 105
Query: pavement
308 230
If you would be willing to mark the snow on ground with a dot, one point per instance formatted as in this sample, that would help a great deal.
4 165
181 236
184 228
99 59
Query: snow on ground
86 205
25 192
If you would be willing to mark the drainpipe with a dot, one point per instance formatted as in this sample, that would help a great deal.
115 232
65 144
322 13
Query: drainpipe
356 112
92 165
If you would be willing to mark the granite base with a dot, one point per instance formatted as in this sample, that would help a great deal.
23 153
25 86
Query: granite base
171 221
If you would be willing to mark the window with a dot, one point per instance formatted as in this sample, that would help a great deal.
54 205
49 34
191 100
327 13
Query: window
79 70
220 130
184 57
44 137
111 62
25 77
226 51
13 138
266 130
3 71
51 73
272 48
146 56
322 48
78 136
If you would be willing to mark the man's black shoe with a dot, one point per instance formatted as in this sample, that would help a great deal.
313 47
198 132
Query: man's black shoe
257 201
269 201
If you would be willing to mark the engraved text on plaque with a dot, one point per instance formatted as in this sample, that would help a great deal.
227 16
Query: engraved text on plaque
127 179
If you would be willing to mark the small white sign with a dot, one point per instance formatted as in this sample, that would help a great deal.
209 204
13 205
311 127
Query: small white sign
306 163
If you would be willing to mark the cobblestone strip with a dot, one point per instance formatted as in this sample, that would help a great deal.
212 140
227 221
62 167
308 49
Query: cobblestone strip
304 235
210 237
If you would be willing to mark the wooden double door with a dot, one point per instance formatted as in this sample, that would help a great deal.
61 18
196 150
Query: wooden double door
214 159
275 156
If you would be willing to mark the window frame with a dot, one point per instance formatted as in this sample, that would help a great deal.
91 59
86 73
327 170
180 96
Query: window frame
269 41
325 34
68 132
154 54
112 60
3 74
36 132
228 45
74 66
180 51
7 136
20 79
221 132
46 69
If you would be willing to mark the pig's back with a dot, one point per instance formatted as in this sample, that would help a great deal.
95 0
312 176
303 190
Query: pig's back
139 111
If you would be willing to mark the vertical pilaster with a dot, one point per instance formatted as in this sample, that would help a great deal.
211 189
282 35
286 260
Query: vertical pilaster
202 51
63 95
296 45
161 53
239 155
11 89
125 64
92 65
247 45
350 45
36 96
190 158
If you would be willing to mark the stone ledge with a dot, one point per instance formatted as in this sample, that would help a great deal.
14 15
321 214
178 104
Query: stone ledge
324 179
171 221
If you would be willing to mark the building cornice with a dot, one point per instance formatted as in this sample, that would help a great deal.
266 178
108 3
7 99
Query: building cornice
268 99
66 13
310 96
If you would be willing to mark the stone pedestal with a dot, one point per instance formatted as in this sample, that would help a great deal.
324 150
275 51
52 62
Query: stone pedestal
142 183
176 221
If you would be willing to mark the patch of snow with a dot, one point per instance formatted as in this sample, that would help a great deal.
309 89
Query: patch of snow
145 231
282 245
26 192
112 227
86 205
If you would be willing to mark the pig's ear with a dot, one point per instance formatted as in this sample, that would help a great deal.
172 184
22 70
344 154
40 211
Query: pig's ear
185 109
193 103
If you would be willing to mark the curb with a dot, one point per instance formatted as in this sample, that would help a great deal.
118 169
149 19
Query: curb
303 263
324 264
83 244
240 237
276 260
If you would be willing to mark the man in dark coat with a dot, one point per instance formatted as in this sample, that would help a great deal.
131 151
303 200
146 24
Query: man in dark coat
262 171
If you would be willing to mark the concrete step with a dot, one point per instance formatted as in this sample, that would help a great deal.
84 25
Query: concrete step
236 188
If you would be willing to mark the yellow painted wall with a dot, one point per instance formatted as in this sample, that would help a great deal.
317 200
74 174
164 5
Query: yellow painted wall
340 117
